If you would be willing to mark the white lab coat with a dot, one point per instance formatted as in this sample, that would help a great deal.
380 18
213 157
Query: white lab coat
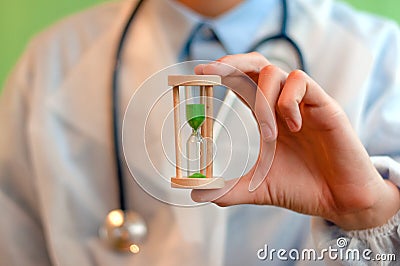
56 160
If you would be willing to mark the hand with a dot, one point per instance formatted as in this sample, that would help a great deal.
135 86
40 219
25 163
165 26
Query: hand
320 167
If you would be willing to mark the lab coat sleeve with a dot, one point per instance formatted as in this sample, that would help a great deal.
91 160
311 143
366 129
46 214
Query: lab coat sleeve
375 246
22 238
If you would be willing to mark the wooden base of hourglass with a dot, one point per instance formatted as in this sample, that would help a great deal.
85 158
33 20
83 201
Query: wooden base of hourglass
198 183
206 83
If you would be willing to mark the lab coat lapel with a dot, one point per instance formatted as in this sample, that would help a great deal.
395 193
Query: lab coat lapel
146 51
70 136
83 100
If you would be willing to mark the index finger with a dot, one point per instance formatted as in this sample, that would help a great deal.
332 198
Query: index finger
232 65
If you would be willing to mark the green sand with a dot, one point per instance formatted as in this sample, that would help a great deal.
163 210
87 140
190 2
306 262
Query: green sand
195 115
197 175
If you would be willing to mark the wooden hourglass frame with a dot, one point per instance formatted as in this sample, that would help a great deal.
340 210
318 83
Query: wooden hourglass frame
204 179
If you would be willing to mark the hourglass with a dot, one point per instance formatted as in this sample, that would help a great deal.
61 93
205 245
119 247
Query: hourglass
197 170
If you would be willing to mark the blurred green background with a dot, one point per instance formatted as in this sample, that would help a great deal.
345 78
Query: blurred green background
21 19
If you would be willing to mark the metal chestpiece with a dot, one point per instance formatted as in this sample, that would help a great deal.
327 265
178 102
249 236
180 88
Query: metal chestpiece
123 231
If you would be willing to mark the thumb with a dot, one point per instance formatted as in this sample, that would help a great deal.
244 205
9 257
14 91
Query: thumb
234 192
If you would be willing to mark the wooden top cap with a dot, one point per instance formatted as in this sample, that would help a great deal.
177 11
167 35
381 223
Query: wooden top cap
194 80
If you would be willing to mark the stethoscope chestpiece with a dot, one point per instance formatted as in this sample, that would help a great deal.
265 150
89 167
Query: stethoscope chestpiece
123 231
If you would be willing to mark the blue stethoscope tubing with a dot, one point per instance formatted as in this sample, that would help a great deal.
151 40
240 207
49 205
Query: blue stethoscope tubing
281 36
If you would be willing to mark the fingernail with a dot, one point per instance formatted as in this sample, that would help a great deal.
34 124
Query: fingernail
199 196
199 69
267 133
291 124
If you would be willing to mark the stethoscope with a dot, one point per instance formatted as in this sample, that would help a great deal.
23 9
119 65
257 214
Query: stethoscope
125 230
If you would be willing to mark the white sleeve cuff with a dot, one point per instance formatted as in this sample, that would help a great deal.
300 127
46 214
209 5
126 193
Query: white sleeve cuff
384 239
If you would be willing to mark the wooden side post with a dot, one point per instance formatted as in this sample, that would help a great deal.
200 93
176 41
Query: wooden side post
203 101
209 129
177 123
